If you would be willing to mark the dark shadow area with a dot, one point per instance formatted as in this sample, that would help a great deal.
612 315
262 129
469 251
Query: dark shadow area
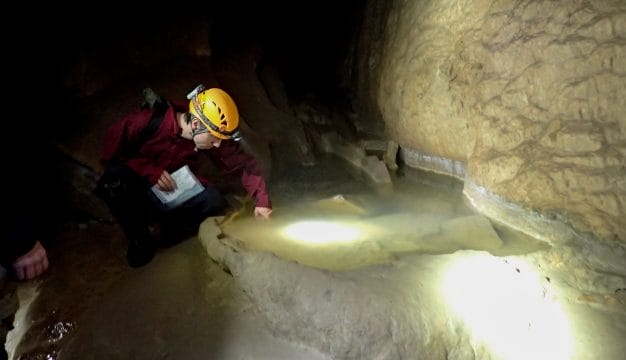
308 43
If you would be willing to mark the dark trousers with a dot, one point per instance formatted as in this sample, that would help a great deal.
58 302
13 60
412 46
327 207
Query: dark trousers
136 208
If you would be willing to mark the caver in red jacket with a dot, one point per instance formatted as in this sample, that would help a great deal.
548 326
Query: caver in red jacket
135 156
167 150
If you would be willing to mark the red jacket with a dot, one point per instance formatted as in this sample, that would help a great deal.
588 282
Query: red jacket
167 150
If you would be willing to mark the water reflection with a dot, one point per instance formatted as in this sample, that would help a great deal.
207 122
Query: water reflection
364 226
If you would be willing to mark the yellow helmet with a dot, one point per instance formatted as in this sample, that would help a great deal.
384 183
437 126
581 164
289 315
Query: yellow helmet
216 110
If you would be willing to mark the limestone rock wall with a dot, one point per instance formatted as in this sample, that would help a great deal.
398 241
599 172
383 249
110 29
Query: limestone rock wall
530 94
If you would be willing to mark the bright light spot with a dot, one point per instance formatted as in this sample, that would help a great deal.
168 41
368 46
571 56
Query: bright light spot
321 232
505 304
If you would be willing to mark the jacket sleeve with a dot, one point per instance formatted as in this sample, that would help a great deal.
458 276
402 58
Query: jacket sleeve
231 159
119 140
145 168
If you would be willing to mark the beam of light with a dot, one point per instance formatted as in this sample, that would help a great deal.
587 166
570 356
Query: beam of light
506 304
321 232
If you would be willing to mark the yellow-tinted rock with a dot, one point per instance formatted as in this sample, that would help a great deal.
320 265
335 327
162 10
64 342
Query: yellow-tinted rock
531 97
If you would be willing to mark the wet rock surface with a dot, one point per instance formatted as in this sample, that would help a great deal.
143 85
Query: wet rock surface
528 96
425 277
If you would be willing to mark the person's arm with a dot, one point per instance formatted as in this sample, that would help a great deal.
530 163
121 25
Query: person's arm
121 138
121 144
232 158
147 169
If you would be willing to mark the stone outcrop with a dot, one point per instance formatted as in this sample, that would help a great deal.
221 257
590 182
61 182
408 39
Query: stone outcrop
459 304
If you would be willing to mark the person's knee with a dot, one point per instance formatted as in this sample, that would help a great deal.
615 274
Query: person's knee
110 185
118 183
215 203
209 202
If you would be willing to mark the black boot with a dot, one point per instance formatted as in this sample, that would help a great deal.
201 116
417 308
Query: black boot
126 194
141 249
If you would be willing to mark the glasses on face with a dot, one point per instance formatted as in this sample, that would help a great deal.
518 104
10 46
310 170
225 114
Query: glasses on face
200 128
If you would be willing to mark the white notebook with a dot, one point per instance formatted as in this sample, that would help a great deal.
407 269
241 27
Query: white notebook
187 186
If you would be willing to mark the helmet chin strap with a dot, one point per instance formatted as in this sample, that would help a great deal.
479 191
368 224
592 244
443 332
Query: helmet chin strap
201 129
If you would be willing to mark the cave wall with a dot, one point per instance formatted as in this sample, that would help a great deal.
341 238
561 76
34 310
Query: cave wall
529 96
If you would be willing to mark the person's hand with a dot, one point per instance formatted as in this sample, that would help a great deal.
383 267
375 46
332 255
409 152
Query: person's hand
31 264
262 212
166 182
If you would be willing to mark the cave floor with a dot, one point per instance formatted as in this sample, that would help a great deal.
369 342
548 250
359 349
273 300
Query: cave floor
92 305
183 305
